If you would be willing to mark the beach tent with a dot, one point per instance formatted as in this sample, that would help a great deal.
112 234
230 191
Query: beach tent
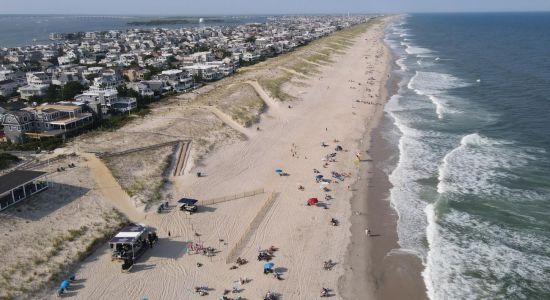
312 201
188 201
268 266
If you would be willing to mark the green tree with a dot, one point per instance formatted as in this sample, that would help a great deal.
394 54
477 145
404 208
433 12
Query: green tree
71 89
52 94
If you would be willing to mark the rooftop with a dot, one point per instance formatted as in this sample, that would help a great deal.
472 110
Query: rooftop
18 178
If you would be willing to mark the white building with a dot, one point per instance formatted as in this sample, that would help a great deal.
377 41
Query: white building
28 91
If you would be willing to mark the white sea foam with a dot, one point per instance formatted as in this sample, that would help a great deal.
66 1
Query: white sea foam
439 107
460 243
417 161
413 50
401 63
474 167
468 256
434 85
431 233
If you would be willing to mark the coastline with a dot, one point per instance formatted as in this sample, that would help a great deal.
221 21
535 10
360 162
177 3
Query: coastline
355 75
375 268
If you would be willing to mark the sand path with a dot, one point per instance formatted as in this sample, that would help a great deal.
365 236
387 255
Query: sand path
229 121
311 62
110 188
272 104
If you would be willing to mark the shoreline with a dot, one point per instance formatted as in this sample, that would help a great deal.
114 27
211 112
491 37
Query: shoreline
375 266
290 139
357 71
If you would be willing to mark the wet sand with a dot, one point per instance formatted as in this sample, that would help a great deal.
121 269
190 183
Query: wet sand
375 266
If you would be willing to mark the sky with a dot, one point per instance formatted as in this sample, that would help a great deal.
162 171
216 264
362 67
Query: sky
229 7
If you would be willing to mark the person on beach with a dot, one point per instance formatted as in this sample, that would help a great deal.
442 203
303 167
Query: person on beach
368 232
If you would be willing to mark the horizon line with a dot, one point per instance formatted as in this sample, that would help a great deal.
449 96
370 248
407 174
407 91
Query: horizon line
272 14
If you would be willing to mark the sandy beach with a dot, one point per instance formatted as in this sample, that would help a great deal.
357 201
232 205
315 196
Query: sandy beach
340 103
325 124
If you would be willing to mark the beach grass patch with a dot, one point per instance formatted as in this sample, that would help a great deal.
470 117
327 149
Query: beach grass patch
274 86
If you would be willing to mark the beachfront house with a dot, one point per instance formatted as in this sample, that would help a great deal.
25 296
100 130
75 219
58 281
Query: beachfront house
205 72
124 104
16 124
52 120
142 89
101 98
248 56
179 80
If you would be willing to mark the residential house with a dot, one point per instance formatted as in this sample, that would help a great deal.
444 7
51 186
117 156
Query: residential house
124 104
29 91
16 124
98 99
58 119
38 78
135 74
205 72
63 78
179 80
7 87
142 89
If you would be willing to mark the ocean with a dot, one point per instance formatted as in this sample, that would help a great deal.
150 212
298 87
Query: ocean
470 123
22 30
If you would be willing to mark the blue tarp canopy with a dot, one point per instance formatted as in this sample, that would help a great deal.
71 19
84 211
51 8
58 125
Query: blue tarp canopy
268 266
188 201
279 170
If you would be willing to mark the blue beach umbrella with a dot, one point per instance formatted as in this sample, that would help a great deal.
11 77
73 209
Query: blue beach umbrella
279 170
65 284
268 266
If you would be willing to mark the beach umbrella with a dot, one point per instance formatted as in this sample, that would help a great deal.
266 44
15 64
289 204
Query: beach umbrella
65 284
279 170
312 201
319 177
268 266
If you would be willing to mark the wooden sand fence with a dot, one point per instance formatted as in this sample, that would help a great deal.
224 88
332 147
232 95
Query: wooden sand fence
232 197
252 227
181 160
150 147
